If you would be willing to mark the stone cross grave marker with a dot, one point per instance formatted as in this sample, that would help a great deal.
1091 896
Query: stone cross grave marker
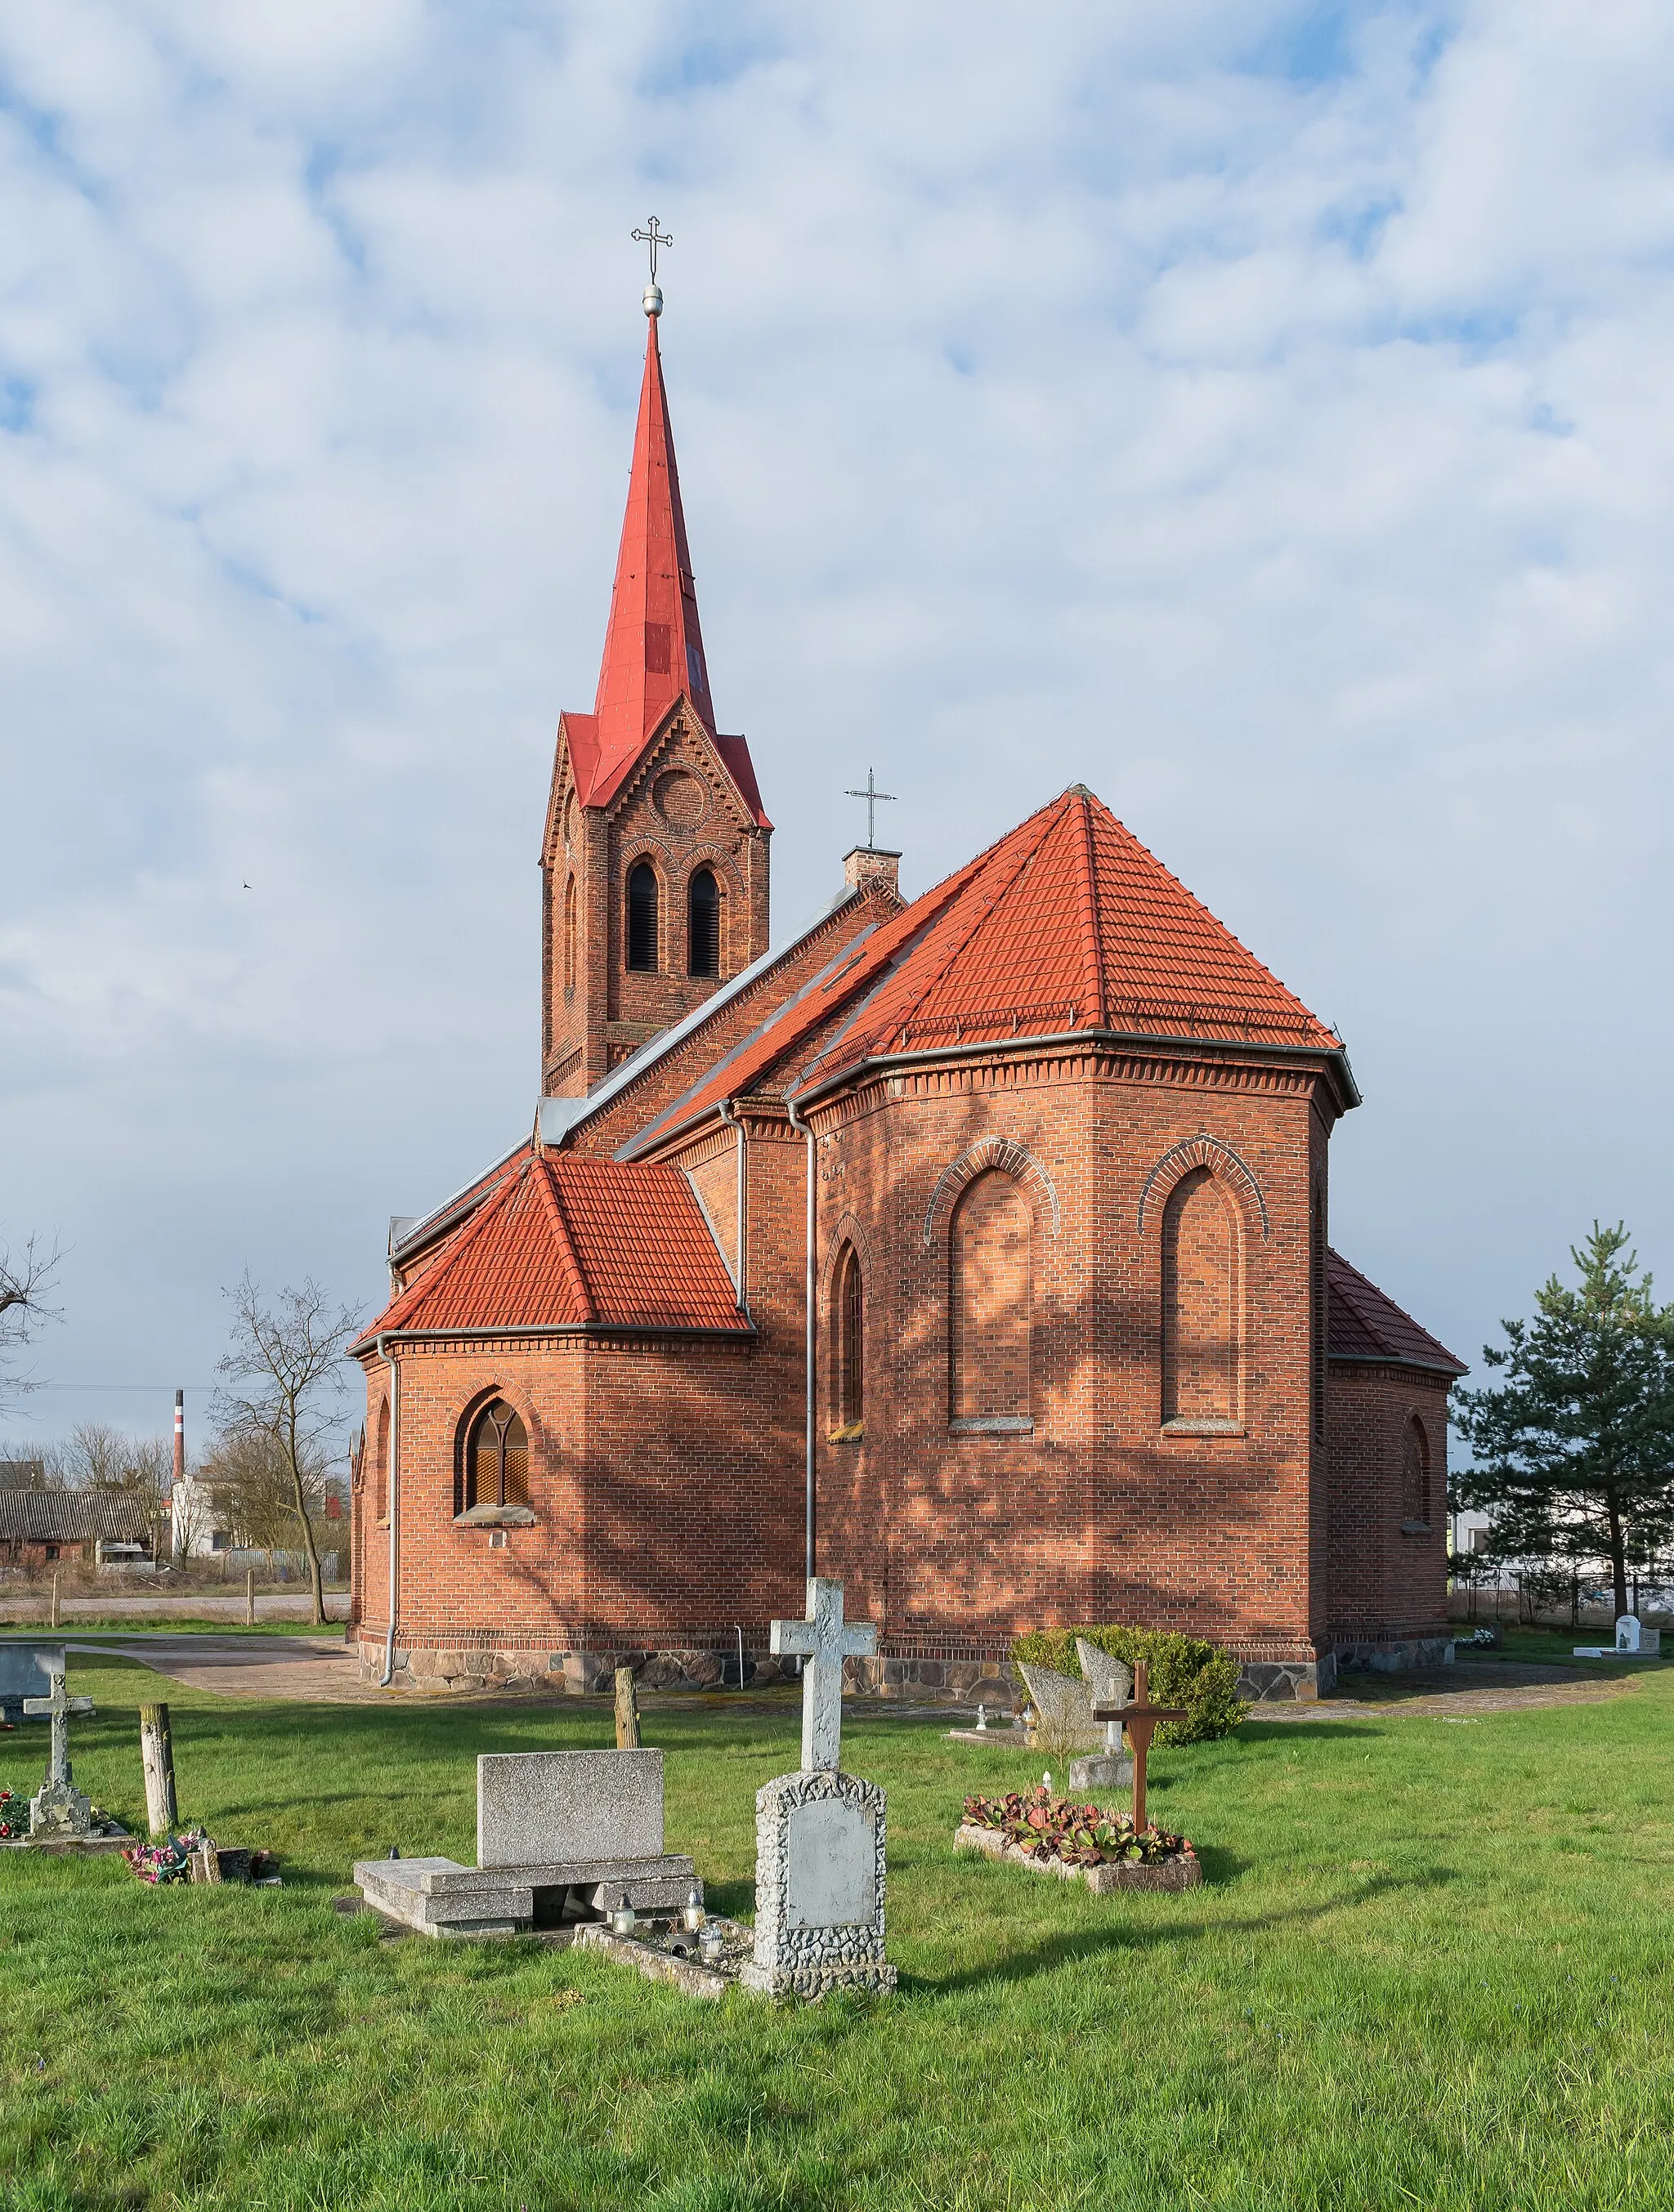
58 1808
823 1641
820 1833
1141 1720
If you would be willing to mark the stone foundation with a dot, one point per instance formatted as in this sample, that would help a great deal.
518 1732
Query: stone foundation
950 1675
441 1669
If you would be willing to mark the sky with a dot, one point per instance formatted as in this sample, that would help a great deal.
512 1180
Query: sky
1260 413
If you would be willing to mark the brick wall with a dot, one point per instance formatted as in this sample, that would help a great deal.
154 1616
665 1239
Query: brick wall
1388 1566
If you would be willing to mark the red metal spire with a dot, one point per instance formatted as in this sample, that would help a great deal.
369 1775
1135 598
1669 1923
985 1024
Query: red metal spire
653 647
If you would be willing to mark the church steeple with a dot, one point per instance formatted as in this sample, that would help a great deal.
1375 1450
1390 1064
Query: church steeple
654 644
656 846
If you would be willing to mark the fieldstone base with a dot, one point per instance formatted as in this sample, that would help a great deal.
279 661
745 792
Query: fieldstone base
442 1668
1394 1658
1102 1769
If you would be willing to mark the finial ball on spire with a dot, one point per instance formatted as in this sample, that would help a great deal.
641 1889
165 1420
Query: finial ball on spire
653 299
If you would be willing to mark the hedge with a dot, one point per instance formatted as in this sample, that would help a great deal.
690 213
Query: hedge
1183 1671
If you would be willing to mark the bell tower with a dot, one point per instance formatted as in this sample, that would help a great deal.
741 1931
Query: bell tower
655 857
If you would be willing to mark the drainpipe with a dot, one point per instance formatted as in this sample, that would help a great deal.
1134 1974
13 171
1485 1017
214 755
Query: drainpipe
729 1115
797 1123
387 1675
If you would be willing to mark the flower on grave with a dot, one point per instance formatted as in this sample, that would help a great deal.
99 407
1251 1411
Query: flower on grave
1044 1827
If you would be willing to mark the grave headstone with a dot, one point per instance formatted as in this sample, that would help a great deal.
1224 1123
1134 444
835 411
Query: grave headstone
554 1828
1108 1682
1065 1707
58 1810
26 1671
820 1833
1631 1636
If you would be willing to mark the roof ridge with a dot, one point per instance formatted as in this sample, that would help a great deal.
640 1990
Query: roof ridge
559 1220
1091 946
459 1242
950 907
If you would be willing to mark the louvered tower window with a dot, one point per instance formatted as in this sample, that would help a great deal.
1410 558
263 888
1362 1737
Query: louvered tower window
496 1458
703 925
642 918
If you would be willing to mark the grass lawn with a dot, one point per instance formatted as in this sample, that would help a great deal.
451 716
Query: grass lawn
1430 1967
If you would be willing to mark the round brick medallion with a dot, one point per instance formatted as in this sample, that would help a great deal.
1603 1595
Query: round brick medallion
679 800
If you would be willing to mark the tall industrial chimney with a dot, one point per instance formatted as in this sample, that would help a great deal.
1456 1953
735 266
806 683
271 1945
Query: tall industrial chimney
179 1436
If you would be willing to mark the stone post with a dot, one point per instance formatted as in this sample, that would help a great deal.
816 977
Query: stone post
55 1598
249 1597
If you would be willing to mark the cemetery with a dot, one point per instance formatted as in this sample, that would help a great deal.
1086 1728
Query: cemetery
761 1972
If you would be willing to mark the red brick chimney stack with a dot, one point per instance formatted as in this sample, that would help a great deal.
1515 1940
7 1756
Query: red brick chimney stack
179 1436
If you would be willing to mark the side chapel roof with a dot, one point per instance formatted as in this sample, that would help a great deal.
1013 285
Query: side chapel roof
1365 1324
567 1240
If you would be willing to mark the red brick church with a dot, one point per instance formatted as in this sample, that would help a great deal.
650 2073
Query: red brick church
974 1251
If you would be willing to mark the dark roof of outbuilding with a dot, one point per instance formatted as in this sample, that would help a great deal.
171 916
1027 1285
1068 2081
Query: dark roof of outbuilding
1364 1324
72 1517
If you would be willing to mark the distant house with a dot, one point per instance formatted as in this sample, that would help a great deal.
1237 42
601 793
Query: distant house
39 1527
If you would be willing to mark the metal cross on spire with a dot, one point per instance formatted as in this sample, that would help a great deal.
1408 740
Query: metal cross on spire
652 237
871 795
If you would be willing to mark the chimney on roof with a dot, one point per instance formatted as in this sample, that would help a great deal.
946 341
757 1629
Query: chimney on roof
866 868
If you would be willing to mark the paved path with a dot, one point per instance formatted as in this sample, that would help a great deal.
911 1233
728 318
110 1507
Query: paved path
319 1669
1457 1692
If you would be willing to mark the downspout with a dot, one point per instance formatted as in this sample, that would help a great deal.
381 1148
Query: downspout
797 1123
729 1115
385 1679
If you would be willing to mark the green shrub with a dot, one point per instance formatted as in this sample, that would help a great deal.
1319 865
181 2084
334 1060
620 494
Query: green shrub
1184 1671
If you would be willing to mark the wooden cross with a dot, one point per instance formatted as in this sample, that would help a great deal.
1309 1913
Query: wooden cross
823 1640
1139 1719
57 1708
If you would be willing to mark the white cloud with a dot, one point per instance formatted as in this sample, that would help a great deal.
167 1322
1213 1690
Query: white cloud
1259 412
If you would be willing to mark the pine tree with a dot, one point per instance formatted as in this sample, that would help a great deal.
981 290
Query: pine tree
1574 1451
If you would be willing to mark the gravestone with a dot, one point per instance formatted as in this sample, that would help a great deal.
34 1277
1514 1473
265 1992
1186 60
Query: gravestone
554 1828
1632 1636
26 1671
820 1833
1065 1707
58 1812
1108 1682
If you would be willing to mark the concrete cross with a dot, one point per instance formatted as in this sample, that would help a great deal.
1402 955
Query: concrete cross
58 1708
821 1638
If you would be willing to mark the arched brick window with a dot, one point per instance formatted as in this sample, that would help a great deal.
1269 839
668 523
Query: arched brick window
570 937
496 1458
849 1318
991 1303
1200 1303
1416 1475
642 918
704 924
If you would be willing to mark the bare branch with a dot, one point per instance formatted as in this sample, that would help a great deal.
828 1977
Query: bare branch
25 1279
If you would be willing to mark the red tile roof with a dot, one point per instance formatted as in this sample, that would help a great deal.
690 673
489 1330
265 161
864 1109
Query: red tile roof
573 1241
653 643
1067 923
1364 1324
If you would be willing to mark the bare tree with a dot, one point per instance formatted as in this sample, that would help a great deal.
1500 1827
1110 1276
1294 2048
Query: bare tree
25 1279
284 1382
